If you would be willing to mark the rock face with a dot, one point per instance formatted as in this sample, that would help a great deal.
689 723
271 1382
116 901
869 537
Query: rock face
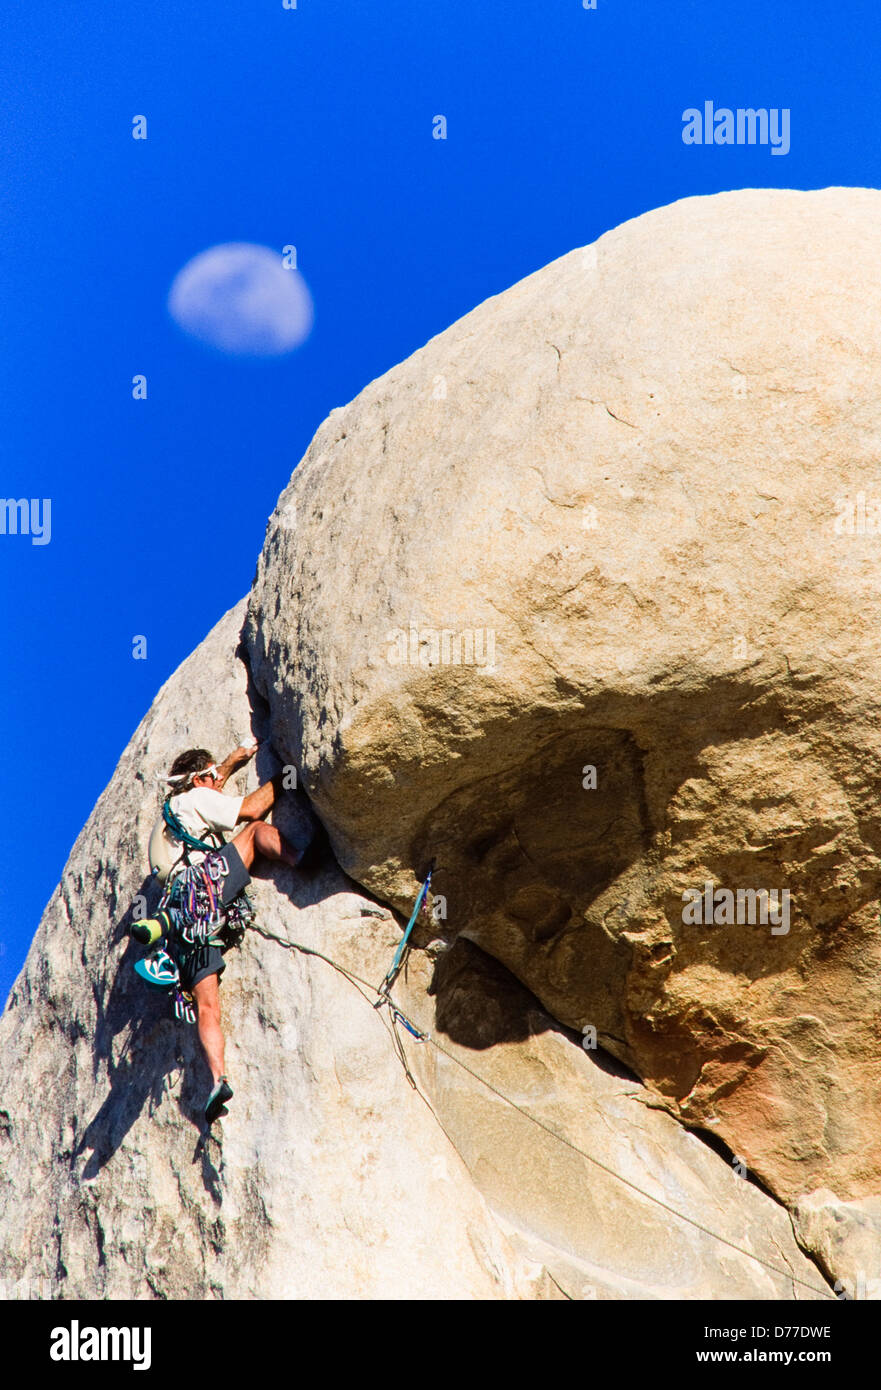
581 602
312 1191
625 517
623 1222
331 1176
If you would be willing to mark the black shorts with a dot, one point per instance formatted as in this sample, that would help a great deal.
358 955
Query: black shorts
237 877
196 963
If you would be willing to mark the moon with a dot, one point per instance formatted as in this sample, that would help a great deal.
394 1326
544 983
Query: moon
242 299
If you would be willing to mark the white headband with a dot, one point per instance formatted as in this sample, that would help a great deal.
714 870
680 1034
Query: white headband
182 776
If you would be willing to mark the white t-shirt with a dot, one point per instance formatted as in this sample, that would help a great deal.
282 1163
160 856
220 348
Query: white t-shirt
204 809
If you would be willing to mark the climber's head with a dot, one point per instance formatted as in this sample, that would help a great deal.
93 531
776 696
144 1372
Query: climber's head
194 768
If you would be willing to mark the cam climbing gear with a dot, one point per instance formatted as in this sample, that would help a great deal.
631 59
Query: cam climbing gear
194 900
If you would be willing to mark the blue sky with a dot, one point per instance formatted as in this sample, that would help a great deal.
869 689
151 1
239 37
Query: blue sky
310 127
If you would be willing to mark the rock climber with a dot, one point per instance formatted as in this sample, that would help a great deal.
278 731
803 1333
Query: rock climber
204 887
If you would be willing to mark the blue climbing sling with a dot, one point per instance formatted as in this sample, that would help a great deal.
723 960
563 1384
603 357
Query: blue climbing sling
176 827
395 966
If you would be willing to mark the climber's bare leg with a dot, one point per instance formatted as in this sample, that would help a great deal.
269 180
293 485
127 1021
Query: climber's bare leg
207 996
260 838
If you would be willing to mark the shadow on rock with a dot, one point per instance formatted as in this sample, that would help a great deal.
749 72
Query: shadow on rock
161 1054
479 1003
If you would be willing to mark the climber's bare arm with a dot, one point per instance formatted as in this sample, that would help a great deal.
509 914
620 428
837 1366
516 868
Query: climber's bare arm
257 803
237 758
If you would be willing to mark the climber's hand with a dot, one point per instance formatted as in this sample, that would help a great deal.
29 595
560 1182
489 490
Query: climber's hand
237 758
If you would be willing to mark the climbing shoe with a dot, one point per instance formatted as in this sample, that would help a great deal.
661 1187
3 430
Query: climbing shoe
151 929
158 970
217 1100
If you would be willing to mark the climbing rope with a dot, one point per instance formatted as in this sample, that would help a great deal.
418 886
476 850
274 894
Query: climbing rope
397 1016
